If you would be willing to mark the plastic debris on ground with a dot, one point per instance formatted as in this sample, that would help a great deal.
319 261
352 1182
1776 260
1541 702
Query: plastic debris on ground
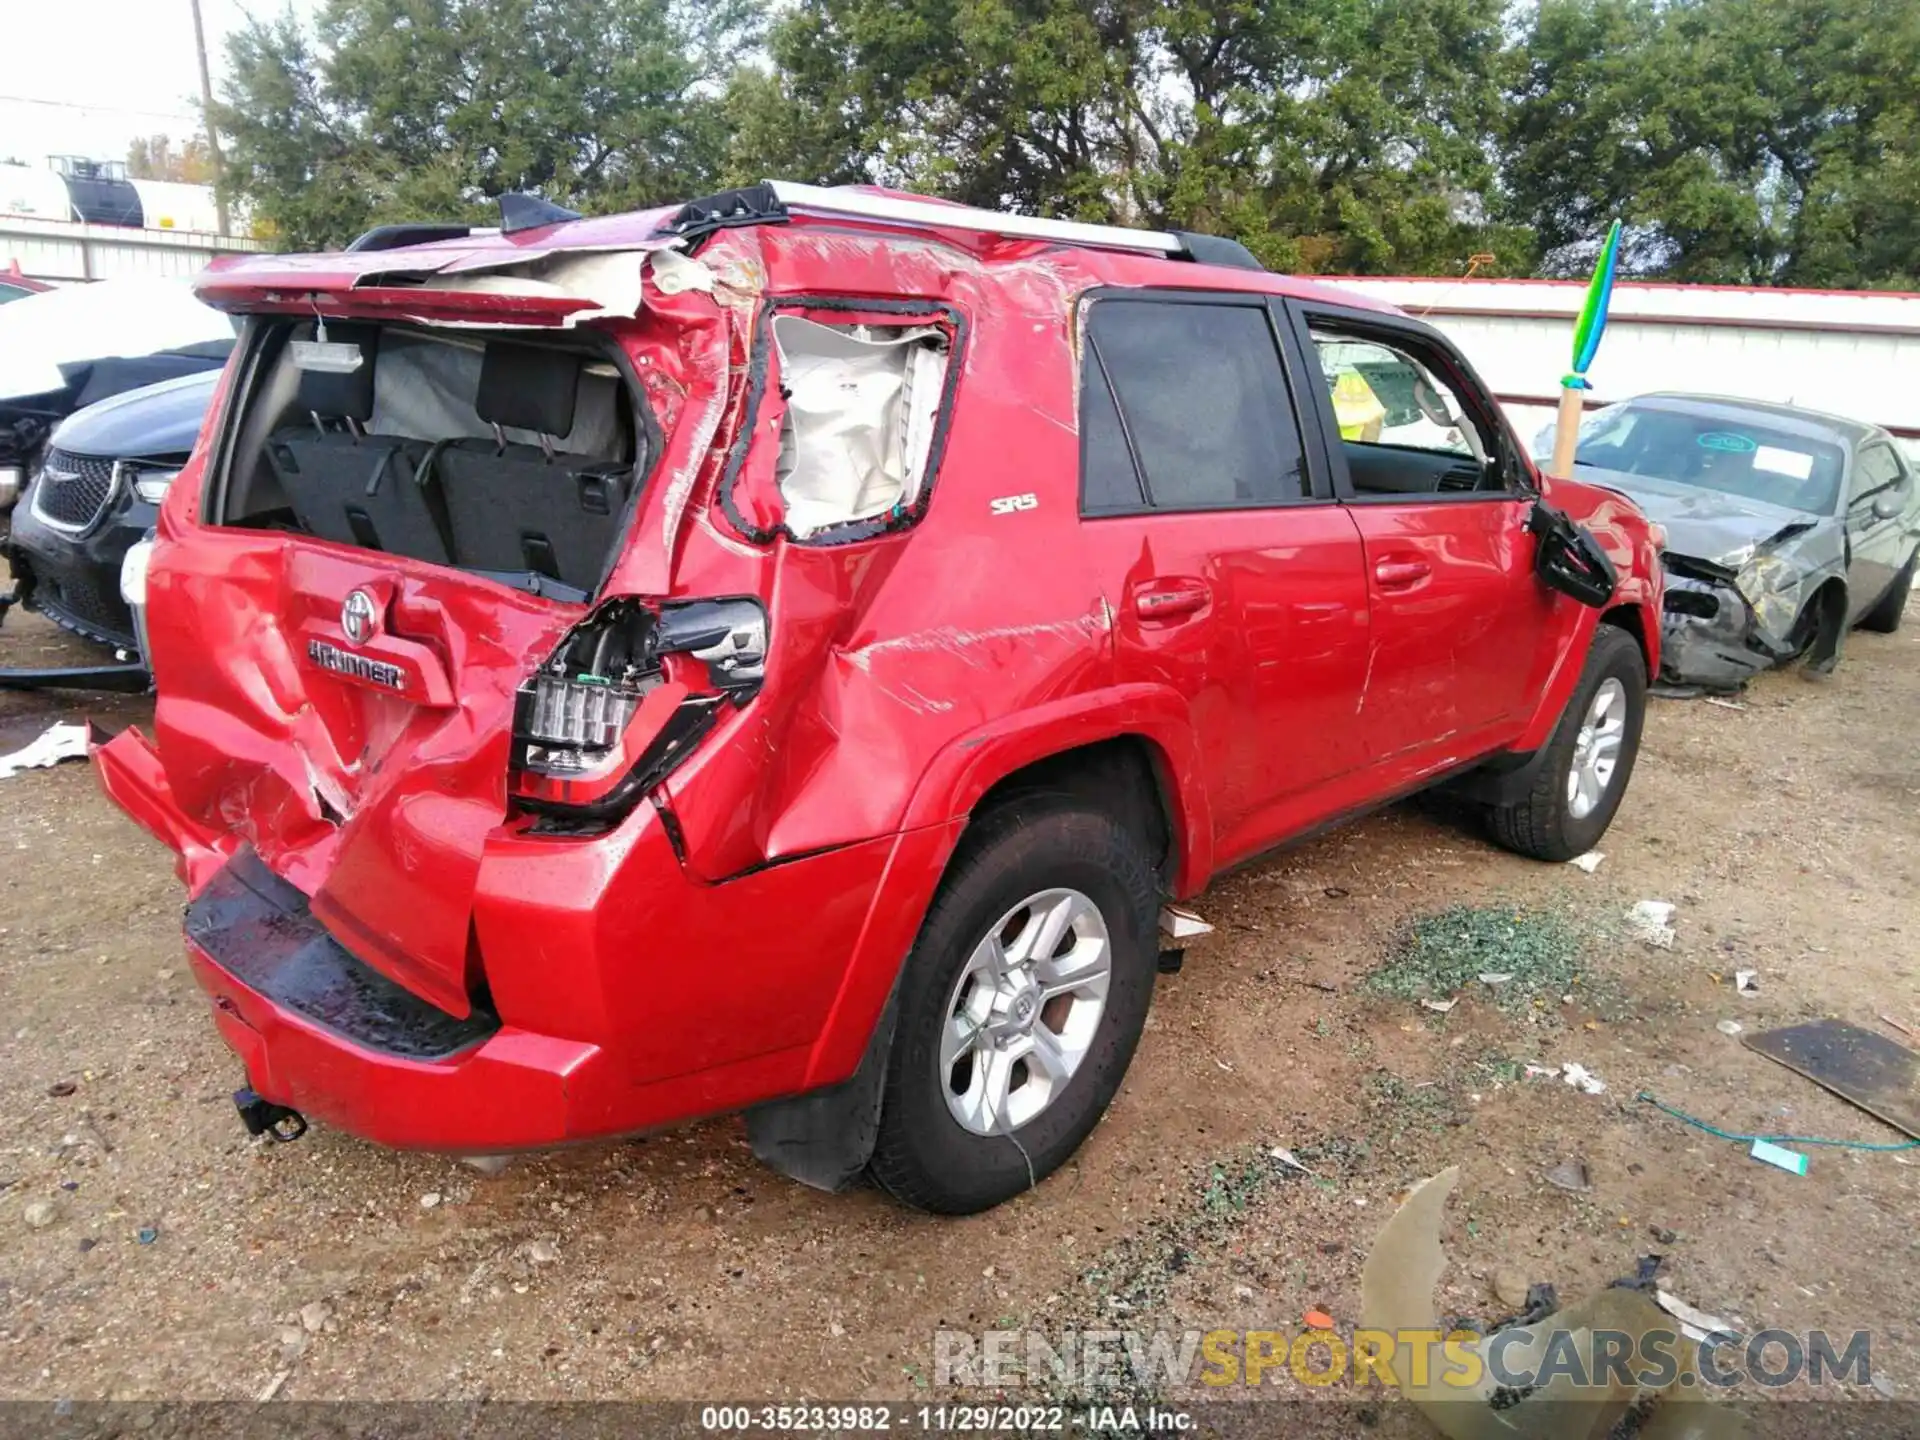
1442 1006
1289 1159
1588 862
1729 1027
1791 1161
1746 982
1569 1175
1495 977
1179 923
1582 1079
66 740
1652 921
1696 1325
1863 1067
1406 1263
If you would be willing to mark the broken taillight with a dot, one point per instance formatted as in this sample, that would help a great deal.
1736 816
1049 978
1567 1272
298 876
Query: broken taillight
624 698
573 721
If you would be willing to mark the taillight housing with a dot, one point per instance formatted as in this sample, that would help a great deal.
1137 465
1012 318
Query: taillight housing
624 698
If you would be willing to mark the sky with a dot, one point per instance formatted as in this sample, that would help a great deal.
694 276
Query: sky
85 77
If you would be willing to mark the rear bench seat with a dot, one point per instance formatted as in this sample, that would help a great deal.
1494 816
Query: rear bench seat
520 507
481 504
346 485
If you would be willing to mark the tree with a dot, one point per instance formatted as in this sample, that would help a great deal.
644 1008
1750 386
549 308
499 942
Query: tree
1328 134
1741 141
1344 135
155 157
430 109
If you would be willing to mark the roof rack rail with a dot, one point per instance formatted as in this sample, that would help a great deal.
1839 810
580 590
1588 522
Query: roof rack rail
748 205
821 200
772 201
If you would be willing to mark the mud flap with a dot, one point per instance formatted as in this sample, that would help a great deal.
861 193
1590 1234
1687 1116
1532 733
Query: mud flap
825 1137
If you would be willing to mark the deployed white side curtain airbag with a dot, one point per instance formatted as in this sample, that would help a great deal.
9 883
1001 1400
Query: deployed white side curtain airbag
861 402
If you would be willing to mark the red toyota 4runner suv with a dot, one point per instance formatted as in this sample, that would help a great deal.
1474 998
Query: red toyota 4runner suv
778 654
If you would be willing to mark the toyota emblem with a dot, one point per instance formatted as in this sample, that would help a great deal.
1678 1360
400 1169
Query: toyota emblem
358 618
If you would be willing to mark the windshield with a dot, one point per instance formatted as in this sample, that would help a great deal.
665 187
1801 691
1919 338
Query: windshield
1735 457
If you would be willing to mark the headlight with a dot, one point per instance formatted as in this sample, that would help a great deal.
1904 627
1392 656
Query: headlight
151 485
12 478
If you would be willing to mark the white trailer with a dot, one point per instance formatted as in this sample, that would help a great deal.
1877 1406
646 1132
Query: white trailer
1854 353
69 250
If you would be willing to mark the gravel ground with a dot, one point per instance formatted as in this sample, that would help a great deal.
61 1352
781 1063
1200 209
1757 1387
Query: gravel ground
149 1250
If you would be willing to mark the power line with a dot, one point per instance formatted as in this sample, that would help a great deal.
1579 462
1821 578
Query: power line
99 109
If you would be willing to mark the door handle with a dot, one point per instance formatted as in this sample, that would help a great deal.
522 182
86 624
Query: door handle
1170 599
1400 574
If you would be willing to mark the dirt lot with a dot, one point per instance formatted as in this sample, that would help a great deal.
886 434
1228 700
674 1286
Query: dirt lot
181 1258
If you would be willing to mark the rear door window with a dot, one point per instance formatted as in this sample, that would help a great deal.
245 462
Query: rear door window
1185 406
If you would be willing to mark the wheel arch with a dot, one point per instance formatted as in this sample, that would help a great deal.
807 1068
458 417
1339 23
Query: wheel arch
1632 619
1139 735
1070 744
1829 606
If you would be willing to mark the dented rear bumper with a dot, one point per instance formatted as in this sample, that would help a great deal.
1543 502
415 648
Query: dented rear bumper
621 993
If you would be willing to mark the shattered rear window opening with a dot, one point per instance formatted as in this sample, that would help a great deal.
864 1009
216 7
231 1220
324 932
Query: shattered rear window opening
512 456
858 428
857 397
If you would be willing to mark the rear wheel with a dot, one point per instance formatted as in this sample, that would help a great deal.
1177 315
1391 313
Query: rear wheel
1020 1007
1884 618
1588 760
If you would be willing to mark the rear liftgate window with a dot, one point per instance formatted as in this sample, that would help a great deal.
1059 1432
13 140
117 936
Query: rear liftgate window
511 457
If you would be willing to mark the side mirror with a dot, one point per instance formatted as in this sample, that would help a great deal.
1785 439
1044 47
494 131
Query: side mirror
1887 505
1567 558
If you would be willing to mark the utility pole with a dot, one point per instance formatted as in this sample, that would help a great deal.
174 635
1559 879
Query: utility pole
206 116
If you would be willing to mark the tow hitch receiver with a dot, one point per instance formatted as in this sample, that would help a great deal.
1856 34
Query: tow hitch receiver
262 1117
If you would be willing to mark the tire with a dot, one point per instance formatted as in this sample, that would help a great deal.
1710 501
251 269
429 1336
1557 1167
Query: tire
1884 618
1544 824
925 1156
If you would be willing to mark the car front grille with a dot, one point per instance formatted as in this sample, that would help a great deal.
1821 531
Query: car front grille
72 489
79 602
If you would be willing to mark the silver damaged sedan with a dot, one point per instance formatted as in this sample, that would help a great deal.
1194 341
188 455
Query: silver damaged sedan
1786 528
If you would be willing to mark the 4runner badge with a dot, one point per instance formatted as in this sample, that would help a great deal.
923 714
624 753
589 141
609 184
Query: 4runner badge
358 618
356 667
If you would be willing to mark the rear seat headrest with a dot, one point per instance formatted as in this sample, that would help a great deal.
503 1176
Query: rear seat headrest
349 397
523 387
